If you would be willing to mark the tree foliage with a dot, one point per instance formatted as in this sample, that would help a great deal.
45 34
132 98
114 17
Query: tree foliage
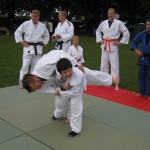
93 10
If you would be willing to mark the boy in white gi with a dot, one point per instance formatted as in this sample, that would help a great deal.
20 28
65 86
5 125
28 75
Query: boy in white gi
93 77
71 98
63 32
76 51
33 35
107 35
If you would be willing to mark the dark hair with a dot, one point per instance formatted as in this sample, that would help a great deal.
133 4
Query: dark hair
148 19
27 80
63 64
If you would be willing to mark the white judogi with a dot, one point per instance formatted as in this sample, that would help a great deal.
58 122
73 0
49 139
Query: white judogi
76 53
93 77
109 50
46 66
69 103
32 34
45 69
66 30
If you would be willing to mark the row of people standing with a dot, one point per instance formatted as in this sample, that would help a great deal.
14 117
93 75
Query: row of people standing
33 35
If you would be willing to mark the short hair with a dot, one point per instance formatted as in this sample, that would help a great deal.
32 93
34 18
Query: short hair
75 37
63 64
64 13
148 19
112 9
36 12
27 80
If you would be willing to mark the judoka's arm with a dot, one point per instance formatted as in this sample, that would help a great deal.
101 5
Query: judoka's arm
134 45
74 91
125 32
99 38
19 35
46 36
70 32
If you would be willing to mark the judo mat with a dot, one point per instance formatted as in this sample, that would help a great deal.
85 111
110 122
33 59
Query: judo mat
121 96
111 120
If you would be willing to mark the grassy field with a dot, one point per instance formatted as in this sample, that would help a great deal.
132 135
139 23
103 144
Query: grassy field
11 61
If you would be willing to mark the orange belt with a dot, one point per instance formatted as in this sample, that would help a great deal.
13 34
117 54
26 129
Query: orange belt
108 42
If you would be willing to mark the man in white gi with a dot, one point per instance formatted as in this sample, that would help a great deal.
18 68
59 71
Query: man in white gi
107 34
63 32
44 71
33 35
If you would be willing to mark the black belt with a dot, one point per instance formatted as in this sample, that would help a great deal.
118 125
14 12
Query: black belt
35 44
146 54
60 44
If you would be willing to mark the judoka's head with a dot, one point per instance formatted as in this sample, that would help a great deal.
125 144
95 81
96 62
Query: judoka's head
64 67
31 82
75 40
62 16
111 14
35 16
148 25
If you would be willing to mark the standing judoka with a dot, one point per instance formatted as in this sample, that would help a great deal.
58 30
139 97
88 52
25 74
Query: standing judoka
63 32
107 35
33 35
143 38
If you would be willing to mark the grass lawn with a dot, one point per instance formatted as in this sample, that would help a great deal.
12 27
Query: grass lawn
11 61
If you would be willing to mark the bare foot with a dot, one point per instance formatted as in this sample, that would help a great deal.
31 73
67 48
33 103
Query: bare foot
20 86
138 94
67 121
116 88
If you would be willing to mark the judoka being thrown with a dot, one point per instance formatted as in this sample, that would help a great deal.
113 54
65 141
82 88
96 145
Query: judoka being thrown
43 76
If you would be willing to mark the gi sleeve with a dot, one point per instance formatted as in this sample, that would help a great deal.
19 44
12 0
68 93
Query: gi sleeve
125 32
46 36
19 33
69 33
135 42
74 91
99 33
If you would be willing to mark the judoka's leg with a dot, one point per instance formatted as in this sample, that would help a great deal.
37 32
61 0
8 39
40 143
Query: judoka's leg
104 61
148 81
60 107
95 77
35 58
142 79
76 114
67 121
26 60
114 62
